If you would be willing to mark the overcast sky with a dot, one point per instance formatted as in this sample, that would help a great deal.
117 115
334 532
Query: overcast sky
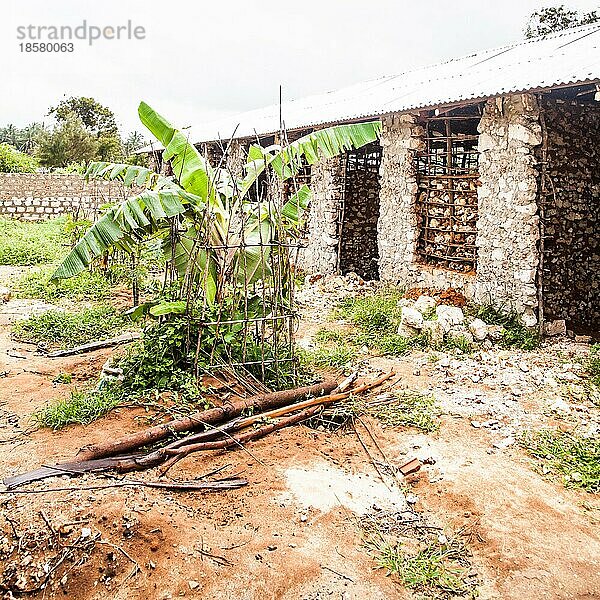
204 59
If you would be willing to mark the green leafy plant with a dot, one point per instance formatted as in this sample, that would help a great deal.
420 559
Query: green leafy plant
26 243
65 329
438 569
378 313
81 407
13 161
576 459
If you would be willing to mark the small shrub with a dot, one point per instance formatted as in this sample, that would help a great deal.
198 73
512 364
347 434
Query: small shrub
63 378
84 286
26 243
13 161
328 356
575 458
458 342
80 407
64 329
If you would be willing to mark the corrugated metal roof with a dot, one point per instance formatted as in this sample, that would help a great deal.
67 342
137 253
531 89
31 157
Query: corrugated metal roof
567 57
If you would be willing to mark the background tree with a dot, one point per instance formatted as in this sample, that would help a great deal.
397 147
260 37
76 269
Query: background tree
556 18
98 119
67 143
23 139
13 161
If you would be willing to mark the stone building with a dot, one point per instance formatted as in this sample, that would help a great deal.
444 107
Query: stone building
486 177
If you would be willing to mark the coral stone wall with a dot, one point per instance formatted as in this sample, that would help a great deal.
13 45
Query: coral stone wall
571 271
327 186
397 227
358 249
508 223
39 196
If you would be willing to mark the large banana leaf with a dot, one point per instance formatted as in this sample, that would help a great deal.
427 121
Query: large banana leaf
129 175
193 172
186 256
123 225
324 143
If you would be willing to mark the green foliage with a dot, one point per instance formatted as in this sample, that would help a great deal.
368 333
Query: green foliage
515 334
409 409
65 329
67 143
13 161
575 458
437 569
84 286
556 18
458 342
338 355
592 365
164 359
94 116
81 407
377 313
27 243
23 139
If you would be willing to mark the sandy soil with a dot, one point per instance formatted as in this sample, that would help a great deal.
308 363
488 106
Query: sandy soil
294 531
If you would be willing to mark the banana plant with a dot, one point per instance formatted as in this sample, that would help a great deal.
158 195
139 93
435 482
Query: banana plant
209 225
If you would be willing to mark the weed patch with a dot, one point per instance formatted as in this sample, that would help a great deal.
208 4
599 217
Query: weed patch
515 334
80 407
378 313
84 286
26 243
64 329
423 559
574 458
592 365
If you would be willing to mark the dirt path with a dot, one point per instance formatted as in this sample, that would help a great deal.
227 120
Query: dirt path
294 531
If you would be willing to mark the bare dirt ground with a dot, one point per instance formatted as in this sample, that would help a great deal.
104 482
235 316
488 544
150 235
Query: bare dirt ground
294 532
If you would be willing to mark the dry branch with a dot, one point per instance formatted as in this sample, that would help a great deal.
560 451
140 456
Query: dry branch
277 402
213 415
126 338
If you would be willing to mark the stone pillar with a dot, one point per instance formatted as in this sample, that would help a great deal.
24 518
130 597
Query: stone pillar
508 224
327 186
235 158
397 225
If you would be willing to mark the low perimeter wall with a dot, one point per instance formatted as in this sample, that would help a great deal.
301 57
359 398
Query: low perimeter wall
38 196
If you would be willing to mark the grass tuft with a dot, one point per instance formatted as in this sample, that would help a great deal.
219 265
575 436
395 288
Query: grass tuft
377 313
592 365
515 335
409 409
576 459
80 407
65 330
436 569
84 286
26 243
